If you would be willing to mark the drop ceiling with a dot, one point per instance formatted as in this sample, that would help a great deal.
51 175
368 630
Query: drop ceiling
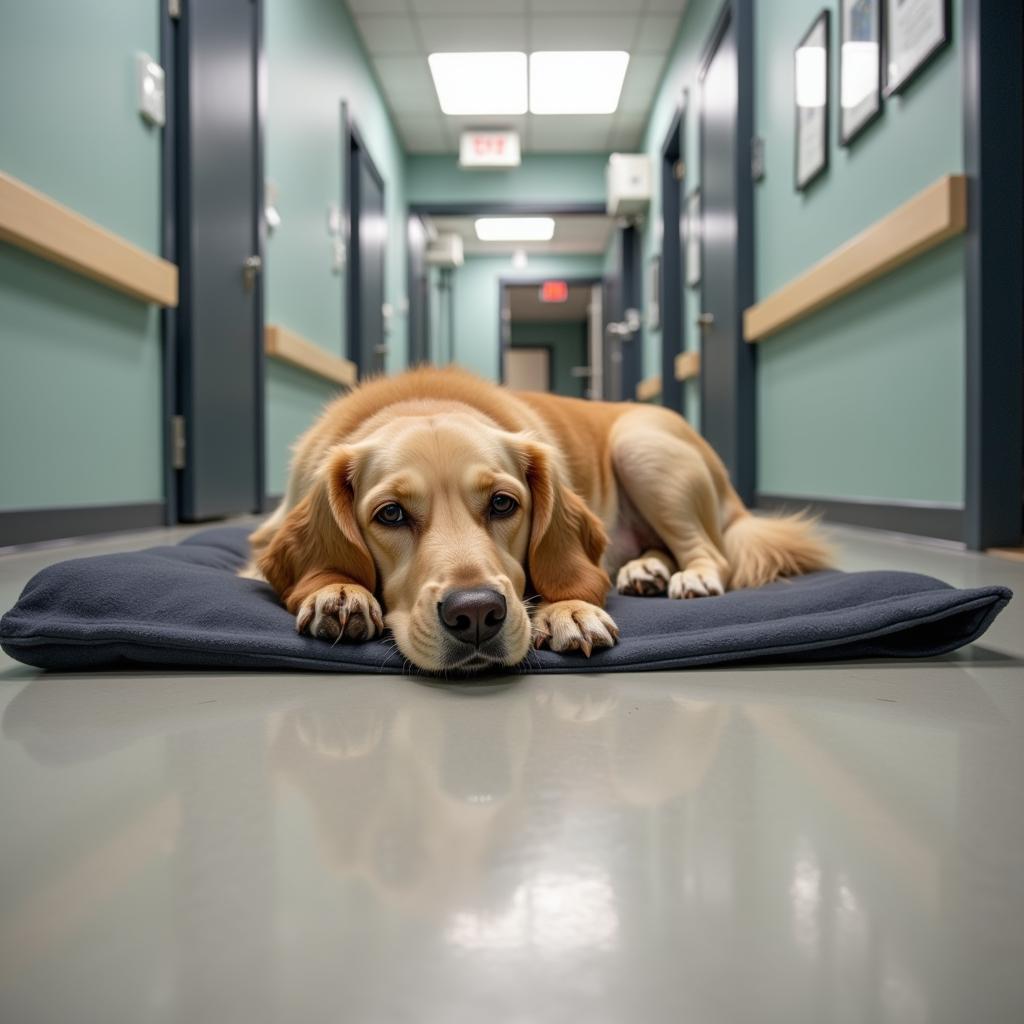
574 233
399 34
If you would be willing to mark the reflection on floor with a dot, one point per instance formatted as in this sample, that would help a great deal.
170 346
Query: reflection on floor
816 843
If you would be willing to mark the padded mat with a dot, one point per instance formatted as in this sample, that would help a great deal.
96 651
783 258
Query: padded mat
183 605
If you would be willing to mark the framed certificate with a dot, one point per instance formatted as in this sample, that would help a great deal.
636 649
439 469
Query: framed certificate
915 31
860 66
810 99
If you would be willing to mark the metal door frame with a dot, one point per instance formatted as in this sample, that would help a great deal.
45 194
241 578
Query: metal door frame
486 208
353 143
504 283
673 257
744 396
175 199
994 267
418 321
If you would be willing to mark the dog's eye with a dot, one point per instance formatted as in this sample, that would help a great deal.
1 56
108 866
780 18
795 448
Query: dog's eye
503 505
391 514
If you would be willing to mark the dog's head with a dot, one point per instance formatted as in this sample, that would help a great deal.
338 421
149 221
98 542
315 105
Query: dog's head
451 522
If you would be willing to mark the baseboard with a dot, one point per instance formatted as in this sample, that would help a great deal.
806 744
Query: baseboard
29 526
925 519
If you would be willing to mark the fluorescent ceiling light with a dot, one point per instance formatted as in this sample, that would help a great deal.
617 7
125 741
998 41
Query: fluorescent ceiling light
480 83
515 229
576 81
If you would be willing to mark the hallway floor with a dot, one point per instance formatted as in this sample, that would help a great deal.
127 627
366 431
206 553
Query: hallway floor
794 844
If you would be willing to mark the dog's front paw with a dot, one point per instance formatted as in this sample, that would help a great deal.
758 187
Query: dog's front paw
340 611
701 582
573 626
643 577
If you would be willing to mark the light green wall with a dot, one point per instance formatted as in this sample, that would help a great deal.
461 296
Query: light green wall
550 178
568 344
476 301
680 74
847 395
864 400
315 61
80 364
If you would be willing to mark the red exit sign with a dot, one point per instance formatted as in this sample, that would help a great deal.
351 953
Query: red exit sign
489 149
554 291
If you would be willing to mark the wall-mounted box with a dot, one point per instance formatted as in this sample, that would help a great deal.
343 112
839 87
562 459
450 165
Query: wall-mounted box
628 184
445 251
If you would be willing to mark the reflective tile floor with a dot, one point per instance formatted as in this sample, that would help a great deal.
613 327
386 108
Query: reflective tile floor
836 843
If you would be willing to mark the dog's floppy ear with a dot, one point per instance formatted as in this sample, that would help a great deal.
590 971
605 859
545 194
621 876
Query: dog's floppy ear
320 535
566 539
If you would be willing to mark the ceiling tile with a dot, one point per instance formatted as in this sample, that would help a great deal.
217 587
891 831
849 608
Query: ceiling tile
404 74
421 124
592 33
570 132
384 34
413 104
378 6
642 77
457 125
626 139
480 8
463 34
667 6
590 7
657 33
426 144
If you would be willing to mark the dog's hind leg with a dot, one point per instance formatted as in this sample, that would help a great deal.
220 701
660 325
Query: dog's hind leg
669 481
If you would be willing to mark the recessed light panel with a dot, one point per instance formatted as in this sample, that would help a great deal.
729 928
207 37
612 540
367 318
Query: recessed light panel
515 229
480 83
576 81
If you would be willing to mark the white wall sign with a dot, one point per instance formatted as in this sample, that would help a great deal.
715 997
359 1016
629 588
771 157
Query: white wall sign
489 149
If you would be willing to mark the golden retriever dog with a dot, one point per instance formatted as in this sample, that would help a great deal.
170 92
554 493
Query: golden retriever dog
474 522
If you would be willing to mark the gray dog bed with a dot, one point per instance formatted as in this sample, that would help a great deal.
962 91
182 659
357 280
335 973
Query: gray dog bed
183 605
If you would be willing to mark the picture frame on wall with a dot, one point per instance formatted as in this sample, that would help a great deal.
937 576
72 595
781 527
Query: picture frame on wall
811 101
914 32
692 235
860 66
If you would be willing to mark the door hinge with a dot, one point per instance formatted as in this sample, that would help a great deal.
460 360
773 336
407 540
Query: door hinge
178 450
174 8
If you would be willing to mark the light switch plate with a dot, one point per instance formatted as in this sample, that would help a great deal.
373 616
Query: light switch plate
150 78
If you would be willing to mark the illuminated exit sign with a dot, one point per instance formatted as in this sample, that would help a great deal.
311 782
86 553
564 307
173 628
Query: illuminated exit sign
489 149
554 291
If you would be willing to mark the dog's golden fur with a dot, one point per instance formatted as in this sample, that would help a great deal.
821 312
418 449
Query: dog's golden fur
598 487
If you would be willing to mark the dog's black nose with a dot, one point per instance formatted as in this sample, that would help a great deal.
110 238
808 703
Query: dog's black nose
473 616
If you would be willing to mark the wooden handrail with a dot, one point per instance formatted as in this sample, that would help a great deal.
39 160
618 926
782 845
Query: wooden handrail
648 388
923 222
292 348
40 225
687 365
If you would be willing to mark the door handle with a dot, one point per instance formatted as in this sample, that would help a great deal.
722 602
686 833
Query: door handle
251 266
705 320
626 328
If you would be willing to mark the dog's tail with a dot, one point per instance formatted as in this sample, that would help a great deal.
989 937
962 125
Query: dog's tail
761 549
